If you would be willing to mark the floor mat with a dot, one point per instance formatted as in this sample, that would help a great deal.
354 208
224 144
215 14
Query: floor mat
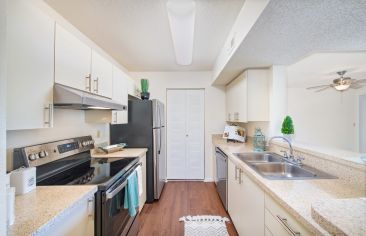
205 225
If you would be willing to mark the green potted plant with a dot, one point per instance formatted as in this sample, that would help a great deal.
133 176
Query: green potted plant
145 95
288 128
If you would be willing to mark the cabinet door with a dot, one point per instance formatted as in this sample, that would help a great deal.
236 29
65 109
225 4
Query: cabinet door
79 222
234 195
30 57
102 78
120 94
142 199
258 95
72 60
252 210
236 100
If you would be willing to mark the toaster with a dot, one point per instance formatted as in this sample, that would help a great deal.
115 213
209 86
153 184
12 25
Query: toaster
23 179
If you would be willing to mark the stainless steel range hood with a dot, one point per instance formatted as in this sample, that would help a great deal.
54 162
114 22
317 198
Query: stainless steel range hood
69 98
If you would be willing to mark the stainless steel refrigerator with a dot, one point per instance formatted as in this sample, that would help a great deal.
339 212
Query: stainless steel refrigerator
146 128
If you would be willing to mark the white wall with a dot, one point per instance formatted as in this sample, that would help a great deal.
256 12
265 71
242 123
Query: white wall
277 99
326 119
2 115
214 101
67 124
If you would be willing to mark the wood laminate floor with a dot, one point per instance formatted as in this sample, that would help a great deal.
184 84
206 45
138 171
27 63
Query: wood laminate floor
180 199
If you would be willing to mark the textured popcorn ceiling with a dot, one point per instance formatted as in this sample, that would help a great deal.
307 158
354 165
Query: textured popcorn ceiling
289 30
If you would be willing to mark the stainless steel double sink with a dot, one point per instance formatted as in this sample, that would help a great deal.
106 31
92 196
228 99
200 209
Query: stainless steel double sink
273 166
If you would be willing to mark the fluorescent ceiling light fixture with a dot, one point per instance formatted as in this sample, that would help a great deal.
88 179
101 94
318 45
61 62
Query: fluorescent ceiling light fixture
181 14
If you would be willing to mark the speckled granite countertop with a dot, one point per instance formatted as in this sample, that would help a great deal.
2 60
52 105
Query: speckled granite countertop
126 152
37 211
296 196
341 216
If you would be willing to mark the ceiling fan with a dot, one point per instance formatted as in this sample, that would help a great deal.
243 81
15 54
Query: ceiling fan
342 83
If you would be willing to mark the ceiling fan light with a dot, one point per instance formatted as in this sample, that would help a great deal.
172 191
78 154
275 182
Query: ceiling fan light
342 87
181 16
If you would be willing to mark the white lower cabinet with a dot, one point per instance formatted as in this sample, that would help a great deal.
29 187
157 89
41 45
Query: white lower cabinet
255 213
78 222
30 58
245 202
279 222
142 198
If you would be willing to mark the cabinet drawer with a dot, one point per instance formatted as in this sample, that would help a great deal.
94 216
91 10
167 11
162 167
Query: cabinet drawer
273 215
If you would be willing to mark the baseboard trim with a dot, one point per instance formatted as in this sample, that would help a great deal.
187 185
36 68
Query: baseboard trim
209 180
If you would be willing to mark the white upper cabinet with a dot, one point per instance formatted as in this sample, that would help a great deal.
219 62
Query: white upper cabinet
30 61
120 94
72 61
247 97
101 75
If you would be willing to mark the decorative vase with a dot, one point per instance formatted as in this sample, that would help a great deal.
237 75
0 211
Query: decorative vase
145 95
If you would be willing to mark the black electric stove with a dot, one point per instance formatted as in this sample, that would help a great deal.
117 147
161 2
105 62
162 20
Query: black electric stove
68 162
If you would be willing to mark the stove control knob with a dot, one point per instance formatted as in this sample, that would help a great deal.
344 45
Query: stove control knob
45 153
32 157
85 143
42 154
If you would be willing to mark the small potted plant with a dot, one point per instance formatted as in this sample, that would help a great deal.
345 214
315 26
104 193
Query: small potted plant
145 95
288 128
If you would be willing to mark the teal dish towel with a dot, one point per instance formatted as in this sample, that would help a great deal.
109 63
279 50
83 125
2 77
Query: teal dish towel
132 194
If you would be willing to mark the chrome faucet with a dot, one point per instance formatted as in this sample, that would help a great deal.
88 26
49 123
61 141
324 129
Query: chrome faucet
289 158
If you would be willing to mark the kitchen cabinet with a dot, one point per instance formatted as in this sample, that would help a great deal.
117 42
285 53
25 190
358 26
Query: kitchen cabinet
245 202
247 97
142 198
279 222
30 66
101 75
72 61
78 222
120 94
133 88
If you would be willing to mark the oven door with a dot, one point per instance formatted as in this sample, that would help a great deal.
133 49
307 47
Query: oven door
115 219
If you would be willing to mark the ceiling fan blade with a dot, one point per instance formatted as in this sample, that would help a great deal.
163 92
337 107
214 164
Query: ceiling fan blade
356 86
361 81
320 86
322 89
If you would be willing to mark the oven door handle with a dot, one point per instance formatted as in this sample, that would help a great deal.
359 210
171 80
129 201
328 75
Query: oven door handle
111 194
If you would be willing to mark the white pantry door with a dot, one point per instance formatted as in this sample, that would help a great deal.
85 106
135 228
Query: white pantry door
185 134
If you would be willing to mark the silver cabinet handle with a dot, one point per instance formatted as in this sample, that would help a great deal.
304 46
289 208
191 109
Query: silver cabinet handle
240 180
91 207
236 116
96 85
88 83
115 117
49 110
288 228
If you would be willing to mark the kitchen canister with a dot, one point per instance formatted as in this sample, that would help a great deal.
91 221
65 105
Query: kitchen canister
23 179
259 140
